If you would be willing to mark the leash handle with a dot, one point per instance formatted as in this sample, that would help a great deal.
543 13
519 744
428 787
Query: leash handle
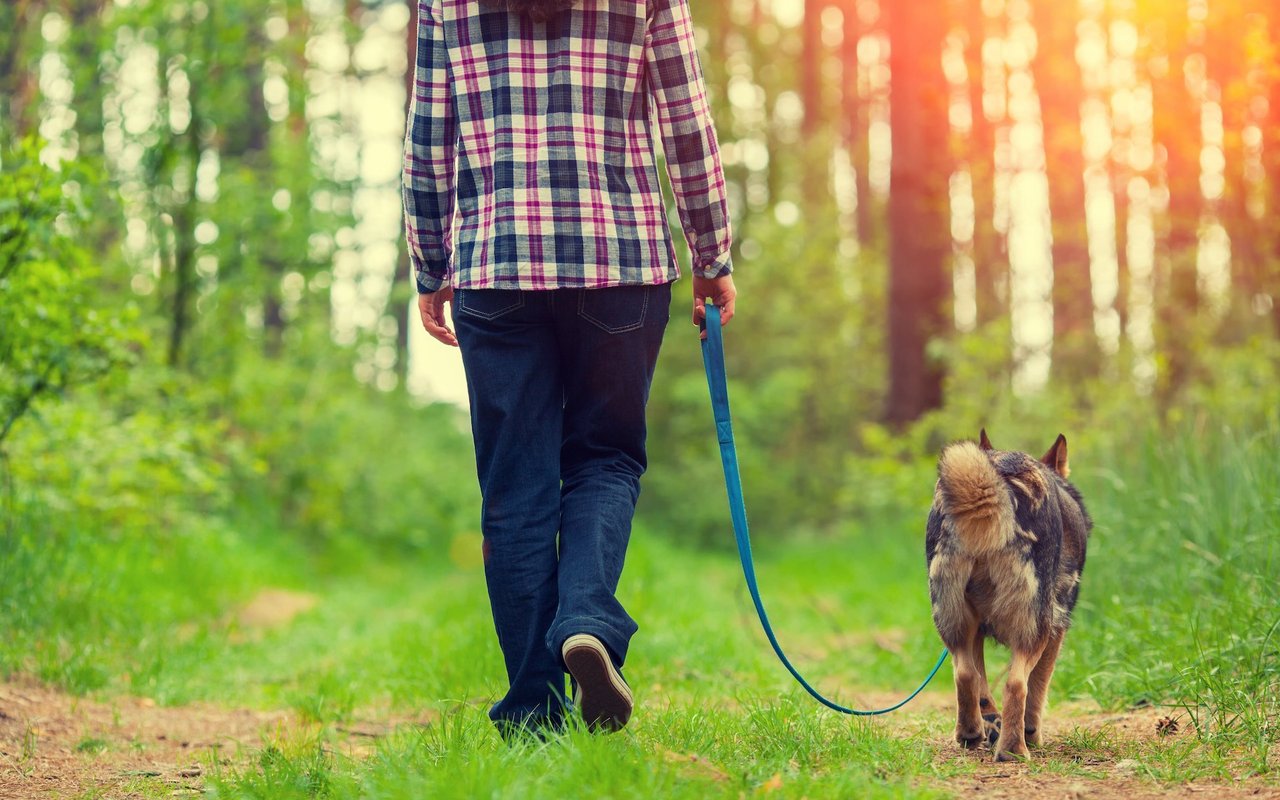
717 383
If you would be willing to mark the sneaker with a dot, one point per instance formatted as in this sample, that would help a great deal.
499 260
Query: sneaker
603 696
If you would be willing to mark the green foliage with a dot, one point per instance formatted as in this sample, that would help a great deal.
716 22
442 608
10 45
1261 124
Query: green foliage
53 334
1184 559
160 500
347 468
804 364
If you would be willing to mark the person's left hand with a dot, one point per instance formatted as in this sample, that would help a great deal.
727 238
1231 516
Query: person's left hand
431 307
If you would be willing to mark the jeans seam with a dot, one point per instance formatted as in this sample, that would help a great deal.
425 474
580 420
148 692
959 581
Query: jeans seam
462 306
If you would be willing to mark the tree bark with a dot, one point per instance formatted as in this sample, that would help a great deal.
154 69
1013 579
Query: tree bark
1230 67
19 26
919 222
88 87
987 259
1120 191
811 52
813 153
1119 173
184 247
857 109
1271 164
1061 88
1246 260
403 286
1177 135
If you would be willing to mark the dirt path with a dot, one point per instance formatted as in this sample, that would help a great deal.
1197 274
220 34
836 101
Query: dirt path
1102 772
56 745
53 745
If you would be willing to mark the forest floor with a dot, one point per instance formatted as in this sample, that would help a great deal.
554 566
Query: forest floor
374 684
55 745
232 666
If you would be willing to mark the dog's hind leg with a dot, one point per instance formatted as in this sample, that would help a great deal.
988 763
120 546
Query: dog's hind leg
986 705
1012 744
1038 687
968 672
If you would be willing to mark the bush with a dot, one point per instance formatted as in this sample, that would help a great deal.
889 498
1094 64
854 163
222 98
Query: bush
52 335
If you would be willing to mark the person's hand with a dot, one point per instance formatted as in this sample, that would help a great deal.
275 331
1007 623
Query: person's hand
722 294
431 307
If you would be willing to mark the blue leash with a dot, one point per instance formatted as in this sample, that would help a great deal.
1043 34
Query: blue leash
713 359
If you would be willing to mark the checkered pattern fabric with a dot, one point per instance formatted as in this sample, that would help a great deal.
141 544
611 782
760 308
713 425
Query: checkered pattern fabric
530 159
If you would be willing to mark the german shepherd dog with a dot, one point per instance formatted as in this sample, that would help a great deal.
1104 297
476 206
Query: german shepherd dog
1005 546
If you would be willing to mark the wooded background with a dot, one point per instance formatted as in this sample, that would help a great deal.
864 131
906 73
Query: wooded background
1046 215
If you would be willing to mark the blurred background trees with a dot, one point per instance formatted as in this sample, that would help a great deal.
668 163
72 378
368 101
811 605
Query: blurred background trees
948 213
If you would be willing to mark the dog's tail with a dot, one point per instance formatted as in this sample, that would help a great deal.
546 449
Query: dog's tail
974 499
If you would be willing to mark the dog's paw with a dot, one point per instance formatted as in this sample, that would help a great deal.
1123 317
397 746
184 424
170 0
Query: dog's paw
970 739
1016 752
991 728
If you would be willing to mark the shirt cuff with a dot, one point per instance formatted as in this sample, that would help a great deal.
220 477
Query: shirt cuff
720 266
431 275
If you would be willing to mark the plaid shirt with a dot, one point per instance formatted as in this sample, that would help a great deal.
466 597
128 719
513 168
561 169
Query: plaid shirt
529 158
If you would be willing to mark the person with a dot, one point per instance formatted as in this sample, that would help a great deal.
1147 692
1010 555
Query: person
533 208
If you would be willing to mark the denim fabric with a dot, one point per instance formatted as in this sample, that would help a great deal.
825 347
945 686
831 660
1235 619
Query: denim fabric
558 381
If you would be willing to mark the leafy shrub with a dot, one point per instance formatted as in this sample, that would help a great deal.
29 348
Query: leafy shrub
52 333
804 360
342 465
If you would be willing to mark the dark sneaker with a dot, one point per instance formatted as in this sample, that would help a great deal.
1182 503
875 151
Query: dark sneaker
603 696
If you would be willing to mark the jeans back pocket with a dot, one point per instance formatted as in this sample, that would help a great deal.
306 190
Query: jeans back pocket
616 309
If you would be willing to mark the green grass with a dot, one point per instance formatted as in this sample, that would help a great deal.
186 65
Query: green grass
1179 608
665 756
1180 600
91 744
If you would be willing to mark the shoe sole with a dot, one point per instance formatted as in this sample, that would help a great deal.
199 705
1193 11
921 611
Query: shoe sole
605 698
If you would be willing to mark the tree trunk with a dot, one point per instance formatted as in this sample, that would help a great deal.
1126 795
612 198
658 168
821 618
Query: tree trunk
812 55
1177 135
1120 191
1119 173
773 142
19 86
987 260
184 247
919 222
1246 261
403 286
1271 163
857 108
85 60
1230 67
1061 89
811 52
257 157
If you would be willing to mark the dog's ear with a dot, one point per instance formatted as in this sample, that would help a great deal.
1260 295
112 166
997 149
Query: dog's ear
983 441
1056 458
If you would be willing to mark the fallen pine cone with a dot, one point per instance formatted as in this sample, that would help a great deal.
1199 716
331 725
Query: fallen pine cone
1166 726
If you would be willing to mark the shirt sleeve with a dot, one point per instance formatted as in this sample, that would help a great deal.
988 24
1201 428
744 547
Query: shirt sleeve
430 156
688 136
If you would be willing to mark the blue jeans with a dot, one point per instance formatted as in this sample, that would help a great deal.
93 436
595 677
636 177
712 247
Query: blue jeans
558 381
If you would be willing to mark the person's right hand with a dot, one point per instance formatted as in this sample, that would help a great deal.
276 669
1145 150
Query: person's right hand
722 294
431 309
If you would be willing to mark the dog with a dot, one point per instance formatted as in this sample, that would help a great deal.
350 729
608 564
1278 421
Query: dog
1005 547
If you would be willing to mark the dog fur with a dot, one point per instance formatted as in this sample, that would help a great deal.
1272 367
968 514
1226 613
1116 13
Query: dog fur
1005 547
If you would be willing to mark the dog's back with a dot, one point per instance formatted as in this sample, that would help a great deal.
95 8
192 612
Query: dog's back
1005 546
1005 543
